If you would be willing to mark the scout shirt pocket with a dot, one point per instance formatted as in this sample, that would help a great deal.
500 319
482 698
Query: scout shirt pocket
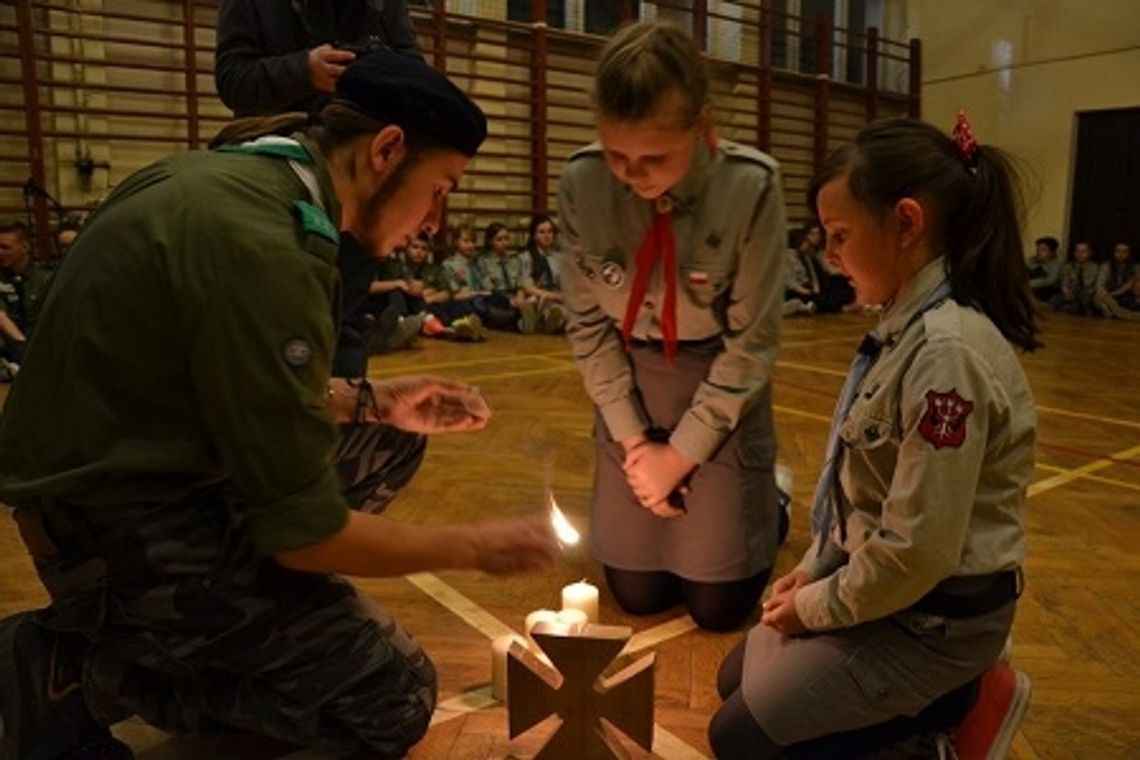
707 276
869 426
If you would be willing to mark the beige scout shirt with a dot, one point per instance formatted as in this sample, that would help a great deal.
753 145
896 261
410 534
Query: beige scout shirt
938 455
729 221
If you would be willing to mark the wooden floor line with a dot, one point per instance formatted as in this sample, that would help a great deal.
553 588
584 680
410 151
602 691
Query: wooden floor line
467 702
1068 476
1095 478
801 413
519 373
471 613
415 369
669 747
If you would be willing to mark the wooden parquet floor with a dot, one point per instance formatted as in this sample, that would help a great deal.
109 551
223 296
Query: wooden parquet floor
1078 626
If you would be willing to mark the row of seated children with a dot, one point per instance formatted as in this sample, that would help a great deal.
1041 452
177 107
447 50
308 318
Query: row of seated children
813 285
469 290
1082 285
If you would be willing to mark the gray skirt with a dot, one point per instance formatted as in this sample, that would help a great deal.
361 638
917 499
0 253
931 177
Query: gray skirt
728 531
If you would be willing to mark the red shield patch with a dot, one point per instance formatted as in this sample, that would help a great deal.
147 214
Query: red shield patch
944 421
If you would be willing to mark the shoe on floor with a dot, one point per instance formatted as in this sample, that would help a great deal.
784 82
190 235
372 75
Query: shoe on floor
528 317
989 727
553 319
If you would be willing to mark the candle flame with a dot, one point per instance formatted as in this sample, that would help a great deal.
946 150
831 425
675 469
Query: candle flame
566 532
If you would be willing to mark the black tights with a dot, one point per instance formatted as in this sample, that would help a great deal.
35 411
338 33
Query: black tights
735 735
714 606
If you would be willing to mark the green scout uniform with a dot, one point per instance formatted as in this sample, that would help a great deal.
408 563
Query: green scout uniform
714 402
937 457
462 272
172 433
22 295
504 274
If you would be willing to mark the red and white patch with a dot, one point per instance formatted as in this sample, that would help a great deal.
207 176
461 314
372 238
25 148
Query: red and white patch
698 278
944 421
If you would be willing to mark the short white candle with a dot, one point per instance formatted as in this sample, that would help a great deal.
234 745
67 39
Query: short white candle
581 596
499 649
539 616
574 618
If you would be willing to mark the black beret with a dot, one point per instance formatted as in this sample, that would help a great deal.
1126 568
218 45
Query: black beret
406 91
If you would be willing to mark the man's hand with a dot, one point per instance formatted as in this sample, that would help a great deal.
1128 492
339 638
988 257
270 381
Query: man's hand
514 546
653 471
326 64
430 405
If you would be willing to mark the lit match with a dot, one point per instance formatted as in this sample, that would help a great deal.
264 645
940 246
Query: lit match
566 532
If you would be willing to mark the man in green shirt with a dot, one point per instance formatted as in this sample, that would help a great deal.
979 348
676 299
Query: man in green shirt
23 285
169 446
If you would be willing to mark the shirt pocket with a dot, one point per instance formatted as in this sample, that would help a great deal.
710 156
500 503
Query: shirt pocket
706 277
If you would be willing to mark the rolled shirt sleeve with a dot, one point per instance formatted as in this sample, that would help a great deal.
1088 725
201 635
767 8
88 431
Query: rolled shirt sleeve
260 354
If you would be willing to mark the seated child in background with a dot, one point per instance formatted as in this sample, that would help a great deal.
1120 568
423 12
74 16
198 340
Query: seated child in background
1078 283
1045 269
801 290
542 274
1115 294
509 308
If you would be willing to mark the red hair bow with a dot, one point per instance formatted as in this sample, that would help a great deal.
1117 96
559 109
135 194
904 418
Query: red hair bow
963 135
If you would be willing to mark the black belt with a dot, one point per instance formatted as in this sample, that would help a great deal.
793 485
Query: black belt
658 343
963 597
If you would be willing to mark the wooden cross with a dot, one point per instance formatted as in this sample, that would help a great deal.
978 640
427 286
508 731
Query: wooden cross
590 707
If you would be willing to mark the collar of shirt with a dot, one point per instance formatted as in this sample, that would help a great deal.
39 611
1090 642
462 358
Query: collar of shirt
324 179
687 193
898 315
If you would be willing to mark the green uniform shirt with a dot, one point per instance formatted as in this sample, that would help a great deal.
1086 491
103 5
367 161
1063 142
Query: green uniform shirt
22 295
191 335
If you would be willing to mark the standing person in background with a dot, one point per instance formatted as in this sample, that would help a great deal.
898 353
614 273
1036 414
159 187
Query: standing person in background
674 244
906 596
172 457
275 56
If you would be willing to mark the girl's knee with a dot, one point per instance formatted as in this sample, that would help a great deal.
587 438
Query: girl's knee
735 735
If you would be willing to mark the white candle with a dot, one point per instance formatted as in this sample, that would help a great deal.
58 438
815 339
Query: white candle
499 649
539 616
574 618
581 596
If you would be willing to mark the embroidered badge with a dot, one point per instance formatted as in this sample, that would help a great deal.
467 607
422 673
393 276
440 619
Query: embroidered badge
944 421
698 278
297 352
612 274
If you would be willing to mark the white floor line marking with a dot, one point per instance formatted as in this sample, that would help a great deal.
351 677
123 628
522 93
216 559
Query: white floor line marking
669 747
1068 476
474 615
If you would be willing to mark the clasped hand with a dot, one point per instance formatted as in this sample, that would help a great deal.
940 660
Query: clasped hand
653 471
779 611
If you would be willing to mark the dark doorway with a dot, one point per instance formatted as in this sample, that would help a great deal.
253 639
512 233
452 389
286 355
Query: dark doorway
1106 184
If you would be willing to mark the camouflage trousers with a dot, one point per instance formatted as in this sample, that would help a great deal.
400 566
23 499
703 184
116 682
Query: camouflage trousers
195 633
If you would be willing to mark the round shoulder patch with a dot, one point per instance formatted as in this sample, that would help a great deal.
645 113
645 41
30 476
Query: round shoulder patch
297 352
612 274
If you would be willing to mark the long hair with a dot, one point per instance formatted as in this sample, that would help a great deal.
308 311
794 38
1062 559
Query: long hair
977 212
540 270
491 232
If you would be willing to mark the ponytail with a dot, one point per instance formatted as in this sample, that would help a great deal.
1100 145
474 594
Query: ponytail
976 210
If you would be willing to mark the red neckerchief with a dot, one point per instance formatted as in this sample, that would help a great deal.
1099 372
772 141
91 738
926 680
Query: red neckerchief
659 244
